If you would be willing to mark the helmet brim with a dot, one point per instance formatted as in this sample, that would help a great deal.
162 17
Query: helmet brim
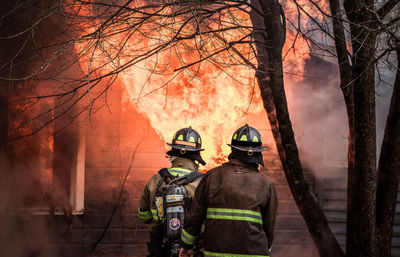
245 149
187 148
195 156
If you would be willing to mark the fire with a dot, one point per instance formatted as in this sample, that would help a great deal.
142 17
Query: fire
33 146
303 32
213 104
214 96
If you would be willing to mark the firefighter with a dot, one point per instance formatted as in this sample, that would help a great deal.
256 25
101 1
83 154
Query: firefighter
185 159
237 203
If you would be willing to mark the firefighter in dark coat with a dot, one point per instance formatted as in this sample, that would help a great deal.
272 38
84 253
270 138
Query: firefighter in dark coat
237 203
185 158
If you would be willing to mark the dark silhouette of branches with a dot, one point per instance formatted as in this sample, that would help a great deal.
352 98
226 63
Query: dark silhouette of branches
66 55
107 38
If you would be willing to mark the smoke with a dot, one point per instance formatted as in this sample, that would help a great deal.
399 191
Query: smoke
21 237
318 116
35 151
37 177
385 77
36 169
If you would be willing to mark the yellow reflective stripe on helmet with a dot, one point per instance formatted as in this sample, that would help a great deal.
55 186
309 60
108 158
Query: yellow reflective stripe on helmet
234 214
180 137
187 238
199 140
243 138
234 137
178 171
179 142
191 139
145 215
212 254
255 139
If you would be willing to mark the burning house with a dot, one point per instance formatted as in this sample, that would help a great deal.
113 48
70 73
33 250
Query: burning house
90 207
80 142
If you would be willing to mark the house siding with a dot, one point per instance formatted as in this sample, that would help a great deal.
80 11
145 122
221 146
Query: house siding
333 199
110 145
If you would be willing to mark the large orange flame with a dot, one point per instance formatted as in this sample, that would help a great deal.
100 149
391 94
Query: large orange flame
214 96
213 103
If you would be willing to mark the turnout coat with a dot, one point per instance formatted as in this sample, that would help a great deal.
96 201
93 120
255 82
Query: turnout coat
238 205
147 206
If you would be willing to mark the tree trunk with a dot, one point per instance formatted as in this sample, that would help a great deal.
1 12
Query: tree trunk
361 196
361 238
346 77
270 80
388 171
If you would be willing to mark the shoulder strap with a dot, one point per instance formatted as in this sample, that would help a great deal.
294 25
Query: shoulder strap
165 173
189 178
183 180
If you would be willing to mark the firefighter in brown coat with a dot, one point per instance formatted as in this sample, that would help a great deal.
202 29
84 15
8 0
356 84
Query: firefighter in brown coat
185 158
237 203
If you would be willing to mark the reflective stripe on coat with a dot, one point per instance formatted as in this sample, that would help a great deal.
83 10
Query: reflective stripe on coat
238 205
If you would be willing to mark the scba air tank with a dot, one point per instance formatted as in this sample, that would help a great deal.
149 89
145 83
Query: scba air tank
174 199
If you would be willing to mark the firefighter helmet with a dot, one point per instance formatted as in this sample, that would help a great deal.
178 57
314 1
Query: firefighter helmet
186 139
247 139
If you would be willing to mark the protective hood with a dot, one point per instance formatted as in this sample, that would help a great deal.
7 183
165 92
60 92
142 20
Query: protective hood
254 159
195 156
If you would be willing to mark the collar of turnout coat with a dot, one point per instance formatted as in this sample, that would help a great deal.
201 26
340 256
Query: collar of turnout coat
184 163
254 159
192 155
246 165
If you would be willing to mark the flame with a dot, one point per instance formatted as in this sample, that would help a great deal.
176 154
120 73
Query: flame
302 31
33 146
212 103
214 96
